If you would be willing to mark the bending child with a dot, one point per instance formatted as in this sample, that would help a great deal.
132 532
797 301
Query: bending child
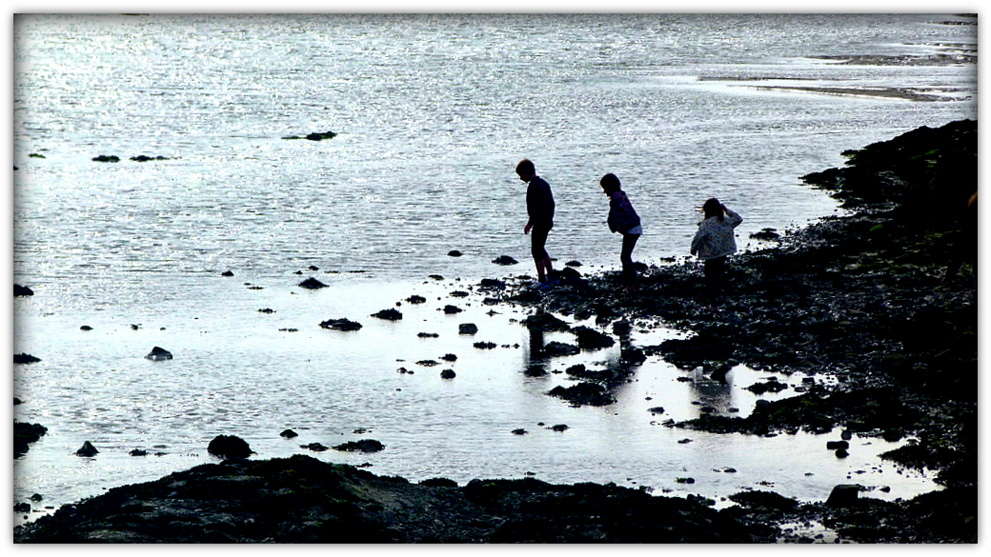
623 218
714 241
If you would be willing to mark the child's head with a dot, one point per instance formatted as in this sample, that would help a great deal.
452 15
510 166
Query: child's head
609 183
526 170
713 208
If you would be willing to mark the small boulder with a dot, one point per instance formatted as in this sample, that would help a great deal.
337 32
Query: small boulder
312 284
467 329
449 309
504 260
22 291
340 324
288 434
229 447
364 446
844 495
158 353
390 314
25 359
87 450
448 374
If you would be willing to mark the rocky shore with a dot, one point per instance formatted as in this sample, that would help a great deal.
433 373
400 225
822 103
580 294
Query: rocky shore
882 300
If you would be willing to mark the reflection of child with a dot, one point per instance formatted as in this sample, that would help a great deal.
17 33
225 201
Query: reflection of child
714 241
623 218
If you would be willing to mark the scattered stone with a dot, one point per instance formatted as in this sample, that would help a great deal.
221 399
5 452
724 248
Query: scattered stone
312 284
288 434
582 394
559 427
833 445
85 328
448 374
341 324
158 354
504 260
138 452
454 253
20 291
87 450
315 447
485 345
390 314
107 158
844 495
590 339
449 357
467 329
266 310
416 299
427 335
146 158
519 431
449 309
364 446
656 410
315 136
25 359
229 447
556 348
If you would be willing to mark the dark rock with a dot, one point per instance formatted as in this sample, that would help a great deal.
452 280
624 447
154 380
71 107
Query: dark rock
158 354
844 495
390 314
427 335
138 452
590 339
582 394
764 500
449 357
416 299
364 446
449 309
229 447
559 427
448 374
341 324
22 291
146 158
439 482
315 447
485 345
656 410
25 359
519 431
454 253
766 234
312 284
25 434
106 158
504 260
833 445
556 348
87 450
467 329
546 322
492 284
85 328
288 434
574 263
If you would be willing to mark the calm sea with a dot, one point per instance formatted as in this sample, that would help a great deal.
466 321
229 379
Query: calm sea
431 113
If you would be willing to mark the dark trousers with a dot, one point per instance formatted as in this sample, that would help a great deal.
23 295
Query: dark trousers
538 239
715 271
626 256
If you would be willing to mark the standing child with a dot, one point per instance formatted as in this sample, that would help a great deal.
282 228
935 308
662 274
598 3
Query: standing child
623 218
540 209
714 241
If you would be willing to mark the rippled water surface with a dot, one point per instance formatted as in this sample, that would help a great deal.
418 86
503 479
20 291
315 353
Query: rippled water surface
432 113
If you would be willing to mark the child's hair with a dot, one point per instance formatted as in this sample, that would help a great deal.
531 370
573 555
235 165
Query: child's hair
713 208
610 183
525 167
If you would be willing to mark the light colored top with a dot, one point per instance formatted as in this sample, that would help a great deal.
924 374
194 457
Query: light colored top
715 237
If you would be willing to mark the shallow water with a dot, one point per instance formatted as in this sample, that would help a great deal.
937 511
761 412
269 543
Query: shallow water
433 114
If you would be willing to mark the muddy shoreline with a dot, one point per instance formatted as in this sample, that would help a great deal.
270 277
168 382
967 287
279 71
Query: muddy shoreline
865 299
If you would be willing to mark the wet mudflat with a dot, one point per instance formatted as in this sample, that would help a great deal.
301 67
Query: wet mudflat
860 298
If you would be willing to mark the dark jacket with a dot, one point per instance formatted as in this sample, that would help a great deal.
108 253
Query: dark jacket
622 215
540 203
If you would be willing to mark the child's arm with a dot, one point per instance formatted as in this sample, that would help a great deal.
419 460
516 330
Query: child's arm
732 218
